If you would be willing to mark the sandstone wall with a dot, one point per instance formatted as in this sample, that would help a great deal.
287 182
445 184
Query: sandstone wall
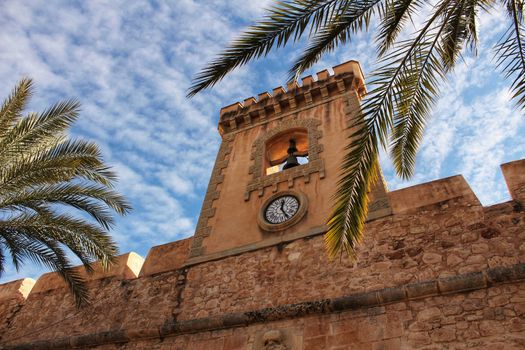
484 319
441 272
12 298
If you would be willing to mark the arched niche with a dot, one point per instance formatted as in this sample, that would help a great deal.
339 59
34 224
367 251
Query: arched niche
270 149
276 149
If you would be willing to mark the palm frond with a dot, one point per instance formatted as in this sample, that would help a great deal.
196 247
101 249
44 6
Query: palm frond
285 21
359 168
2 256
37 130
89 242
338 30
59 162
459 29
395 15
11 110
39 238
42 251
510 51
45 180
418 92
86 198
514 8
418 86
10 244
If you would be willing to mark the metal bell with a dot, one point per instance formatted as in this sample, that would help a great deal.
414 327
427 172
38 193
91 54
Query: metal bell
291 161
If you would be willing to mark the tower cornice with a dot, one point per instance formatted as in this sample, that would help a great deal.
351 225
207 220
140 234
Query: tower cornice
313 88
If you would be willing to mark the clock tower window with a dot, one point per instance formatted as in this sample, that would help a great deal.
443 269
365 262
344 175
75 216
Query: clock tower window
286 150
270 152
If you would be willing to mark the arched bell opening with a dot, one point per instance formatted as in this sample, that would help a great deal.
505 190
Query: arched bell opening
286 150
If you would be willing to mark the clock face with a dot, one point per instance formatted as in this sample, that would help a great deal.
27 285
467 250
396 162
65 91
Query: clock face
281 209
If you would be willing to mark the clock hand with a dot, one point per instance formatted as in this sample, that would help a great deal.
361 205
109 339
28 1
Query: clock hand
282 209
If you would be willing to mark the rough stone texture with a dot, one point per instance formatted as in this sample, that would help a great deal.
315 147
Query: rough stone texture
18 289
12 297
166 257
396 250
433 323
393 254
515 178
127 266
212 194
128 304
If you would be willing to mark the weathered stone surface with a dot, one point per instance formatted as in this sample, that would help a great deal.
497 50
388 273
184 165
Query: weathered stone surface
444 334
166 257
409 199
514 173
429 314
432 258
18 289
127 266
145 299
453 260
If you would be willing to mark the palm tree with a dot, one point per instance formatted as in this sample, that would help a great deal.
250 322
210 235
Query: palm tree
403 89
49 186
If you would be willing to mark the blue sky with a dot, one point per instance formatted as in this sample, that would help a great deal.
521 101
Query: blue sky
130 63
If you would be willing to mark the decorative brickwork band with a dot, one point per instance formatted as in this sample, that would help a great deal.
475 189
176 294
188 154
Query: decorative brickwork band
315 164
442 286
207 211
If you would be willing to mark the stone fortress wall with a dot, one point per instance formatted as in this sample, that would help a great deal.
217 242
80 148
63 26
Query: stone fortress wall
439 272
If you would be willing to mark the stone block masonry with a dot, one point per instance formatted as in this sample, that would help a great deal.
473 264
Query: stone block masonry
440 272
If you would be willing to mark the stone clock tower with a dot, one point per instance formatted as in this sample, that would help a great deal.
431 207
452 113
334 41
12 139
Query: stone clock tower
278 165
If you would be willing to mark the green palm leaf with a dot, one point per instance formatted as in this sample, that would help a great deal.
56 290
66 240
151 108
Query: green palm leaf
346 222
395 15
54 162
47 184
37 130
352 17
13 105
510 51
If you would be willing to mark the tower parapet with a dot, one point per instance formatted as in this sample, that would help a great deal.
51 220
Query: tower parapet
314 89
515 178
127 266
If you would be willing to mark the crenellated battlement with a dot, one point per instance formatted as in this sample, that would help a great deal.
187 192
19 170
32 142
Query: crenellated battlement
314 89
174 256
127 266
16 290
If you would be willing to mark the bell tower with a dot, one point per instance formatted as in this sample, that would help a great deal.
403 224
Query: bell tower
278 165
